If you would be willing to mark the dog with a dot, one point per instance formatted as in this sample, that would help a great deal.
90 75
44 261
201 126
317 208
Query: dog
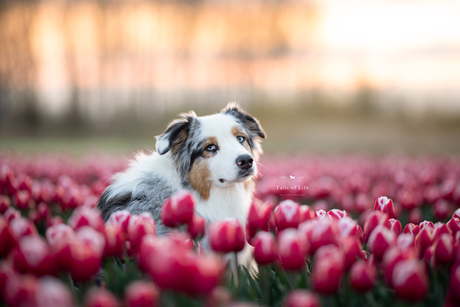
214 157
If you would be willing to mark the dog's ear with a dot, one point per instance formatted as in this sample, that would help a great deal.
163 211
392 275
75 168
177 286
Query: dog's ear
176 133
244 118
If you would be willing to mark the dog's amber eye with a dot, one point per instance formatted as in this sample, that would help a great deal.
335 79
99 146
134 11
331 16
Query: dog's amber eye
241 139
211 148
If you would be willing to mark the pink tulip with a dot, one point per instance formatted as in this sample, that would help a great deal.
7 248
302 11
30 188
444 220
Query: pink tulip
443 249
87 217
287 215
385 205
412 229
178 209
374 219
121 219
227 236
395 227
380 239
328 269
52 292
196 227
138 227
306 213
409 280
325 232
454 225
363 276
258 216
6 238
98 297
113 241
301 298
142 294
33 256
351 249
5 203
265 248
337 214
292 248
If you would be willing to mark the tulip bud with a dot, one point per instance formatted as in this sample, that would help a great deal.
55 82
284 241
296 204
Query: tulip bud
142 294
227 236
287 215
6 238
196 227
320 214
113 241
441 209
121 219
405 241
412 229
409 280
363 276
380 239
139 226
439 229
443 249
52 292
385 205
292 248
5 203
100 298
326 232
395 227
374 219
337 214
23 200
415 216
456 213
33 256
21 227
178 209
454 225
425 224
10 214
301 298
87 217
306 213
265 248
328 269
258 216
352 250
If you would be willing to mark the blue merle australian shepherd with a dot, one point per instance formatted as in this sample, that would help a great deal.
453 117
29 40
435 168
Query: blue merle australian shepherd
214 157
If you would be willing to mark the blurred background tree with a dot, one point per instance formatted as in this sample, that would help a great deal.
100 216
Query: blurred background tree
321 75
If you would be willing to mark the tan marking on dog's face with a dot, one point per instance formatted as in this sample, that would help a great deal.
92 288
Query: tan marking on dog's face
249 185
209 141
200 178
236 131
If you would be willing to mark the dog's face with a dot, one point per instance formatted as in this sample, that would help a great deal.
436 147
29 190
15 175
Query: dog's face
216 150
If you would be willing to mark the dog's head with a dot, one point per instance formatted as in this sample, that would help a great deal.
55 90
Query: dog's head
215 150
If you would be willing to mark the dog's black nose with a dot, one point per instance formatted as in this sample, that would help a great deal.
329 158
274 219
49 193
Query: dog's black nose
244 162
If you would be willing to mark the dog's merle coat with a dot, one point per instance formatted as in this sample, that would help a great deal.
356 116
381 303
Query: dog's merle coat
151 179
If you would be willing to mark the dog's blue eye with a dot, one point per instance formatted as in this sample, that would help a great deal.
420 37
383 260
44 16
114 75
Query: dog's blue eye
241 139
211 148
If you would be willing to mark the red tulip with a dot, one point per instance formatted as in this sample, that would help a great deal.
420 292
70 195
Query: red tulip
287 215
392 256
425 224
328 269
439 229
6 238
293 248
99 297
121 219
352 250
20 291
441 209
409 280
337 214
395 227
5 203
138 227
23 200
71 198
306 228
456 213
320 214
33 256
87 217
178 209
385 205
380 239
11 214
258 216
265 248
326 232
405 241
142 294
301 298
113 241
454 225
350 228
363 276
227 236
374 219
59 238
409 200
21 227
306 213
52 292
196 227
412 229
443 249
428 257
415 216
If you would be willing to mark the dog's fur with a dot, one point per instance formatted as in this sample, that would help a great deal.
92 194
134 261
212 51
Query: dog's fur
222 188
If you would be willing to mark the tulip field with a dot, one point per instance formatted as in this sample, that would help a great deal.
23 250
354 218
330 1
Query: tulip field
349 230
